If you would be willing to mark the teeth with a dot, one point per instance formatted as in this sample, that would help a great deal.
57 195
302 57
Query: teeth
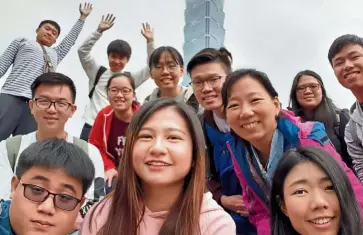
352 75
157 164
321 221
249 125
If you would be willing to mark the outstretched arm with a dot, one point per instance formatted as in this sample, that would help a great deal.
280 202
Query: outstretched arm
142 75
88 62
65 46
8 57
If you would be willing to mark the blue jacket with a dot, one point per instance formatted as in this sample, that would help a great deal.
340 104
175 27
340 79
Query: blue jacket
5 228
222 170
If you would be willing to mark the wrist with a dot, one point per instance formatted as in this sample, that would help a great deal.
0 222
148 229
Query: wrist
99 30
149 41
83 18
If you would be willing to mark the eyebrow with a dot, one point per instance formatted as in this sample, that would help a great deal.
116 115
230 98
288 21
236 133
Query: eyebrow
168 129
42 178
249 95
305 181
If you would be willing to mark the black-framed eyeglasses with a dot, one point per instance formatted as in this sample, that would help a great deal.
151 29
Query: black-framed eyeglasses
172 67
115 91
44 103
312 86
213 82
38 194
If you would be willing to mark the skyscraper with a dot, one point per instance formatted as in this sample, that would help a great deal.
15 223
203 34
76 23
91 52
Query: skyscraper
204 20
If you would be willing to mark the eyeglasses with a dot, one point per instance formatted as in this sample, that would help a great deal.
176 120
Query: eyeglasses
43 103
170 67
213 82
312 86
115 91
38 194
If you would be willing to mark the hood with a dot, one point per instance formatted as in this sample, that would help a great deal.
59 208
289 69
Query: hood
357 115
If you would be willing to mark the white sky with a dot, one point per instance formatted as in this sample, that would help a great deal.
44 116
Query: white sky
279 37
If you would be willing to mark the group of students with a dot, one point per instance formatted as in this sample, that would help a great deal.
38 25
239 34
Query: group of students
219 156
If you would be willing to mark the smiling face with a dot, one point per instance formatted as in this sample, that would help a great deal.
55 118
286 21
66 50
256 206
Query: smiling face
310 201
120 94
348 67
163 151
117 62
309 92
47 34
210 77
35 218
251 112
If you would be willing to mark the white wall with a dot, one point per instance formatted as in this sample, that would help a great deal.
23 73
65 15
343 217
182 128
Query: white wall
280 37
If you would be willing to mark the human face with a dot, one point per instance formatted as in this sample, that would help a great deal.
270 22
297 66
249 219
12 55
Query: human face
308 92
348 67
251 112
167 72
162 154
310 201
116 62
120 94
211 77
35 218
52 119
47 34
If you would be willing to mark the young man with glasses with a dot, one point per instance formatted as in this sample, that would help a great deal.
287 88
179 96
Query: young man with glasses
52 104
208 70
47 190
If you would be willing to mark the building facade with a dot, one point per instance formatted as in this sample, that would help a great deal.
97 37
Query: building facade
204 21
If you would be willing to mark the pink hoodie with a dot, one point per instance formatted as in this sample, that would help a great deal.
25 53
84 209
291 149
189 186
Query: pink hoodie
213 219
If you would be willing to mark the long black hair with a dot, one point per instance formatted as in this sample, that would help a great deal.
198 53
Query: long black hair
326 110
351 221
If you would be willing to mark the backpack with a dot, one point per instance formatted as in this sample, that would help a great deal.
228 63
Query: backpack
13 146
100 71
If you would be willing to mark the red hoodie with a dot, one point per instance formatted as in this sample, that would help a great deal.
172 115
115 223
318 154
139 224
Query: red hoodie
101 131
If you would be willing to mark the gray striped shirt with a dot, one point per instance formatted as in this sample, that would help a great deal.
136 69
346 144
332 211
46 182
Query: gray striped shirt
27 59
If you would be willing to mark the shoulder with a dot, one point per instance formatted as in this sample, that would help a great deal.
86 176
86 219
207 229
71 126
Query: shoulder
96 217
214 219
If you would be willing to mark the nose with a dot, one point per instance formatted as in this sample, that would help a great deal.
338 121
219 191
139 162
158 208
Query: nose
206 87
165 70
246 111
308 90
318 201
348 65
47 207
52 108
158 147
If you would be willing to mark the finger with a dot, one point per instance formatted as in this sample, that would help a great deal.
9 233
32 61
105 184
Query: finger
111 25
110 19
147 25
109 183
243 213
113 21
143 26
103 18
80 6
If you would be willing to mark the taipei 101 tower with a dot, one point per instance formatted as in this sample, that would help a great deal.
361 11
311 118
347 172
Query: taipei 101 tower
204 20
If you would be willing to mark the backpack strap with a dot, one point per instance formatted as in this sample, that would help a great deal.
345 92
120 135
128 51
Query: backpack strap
81 143
12 147
100 71
337 124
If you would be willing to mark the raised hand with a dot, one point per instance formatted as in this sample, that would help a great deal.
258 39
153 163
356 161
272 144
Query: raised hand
106 23
85 10
147 32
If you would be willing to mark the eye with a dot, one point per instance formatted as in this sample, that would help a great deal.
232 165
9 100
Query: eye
174 137
144 136
62 104
356 57
36 189
65 197
255 100
232 106
300 192
330 188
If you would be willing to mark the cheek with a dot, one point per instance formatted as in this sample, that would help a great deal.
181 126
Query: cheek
296 213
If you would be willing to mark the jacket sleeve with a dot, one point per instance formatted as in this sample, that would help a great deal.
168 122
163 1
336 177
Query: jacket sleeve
96 138
141 76
67 43
355 149
88 62
8 57
6 173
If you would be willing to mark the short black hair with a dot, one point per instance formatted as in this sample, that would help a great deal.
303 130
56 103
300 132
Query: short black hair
51 22
341 42
58 154
120 47
157 53
54 79
210 55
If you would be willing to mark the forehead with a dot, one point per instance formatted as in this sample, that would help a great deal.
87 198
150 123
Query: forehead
246 86
299 172
204 71
55 92
49 25
306 79
166 118
120 82
348 49
166 57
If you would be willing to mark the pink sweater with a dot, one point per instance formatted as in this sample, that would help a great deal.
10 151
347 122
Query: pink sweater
213 219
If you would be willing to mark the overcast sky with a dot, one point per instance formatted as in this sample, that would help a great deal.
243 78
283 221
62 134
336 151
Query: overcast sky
279 37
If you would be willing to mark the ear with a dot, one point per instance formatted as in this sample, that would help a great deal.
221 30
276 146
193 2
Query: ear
151 74
37 30
181 71
31 105
283 208
74 109
277 105
14 185
82 200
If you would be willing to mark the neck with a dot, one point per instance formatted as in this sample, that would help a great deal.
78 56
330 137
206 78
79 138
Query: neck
171 93
125 116
161 198
358 93
309 114
219 112
263 146
43 135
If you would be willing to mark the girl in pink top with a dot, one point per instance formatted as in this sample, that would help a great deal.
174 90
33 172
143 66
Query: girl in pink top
161 183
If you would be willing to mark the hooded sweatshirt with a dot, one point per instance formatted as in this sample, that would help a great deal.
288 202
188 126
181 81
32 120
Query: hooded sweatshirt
354 140
213 219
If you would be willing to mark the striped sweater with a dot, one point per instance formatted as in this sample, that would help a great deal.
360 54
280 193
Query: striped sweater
27 59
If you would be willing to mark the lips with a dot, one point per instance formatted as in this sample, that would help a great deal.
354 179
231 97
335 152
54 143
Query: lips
351 75
250 125
157 163
51 118
321 221
209 98
42 223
